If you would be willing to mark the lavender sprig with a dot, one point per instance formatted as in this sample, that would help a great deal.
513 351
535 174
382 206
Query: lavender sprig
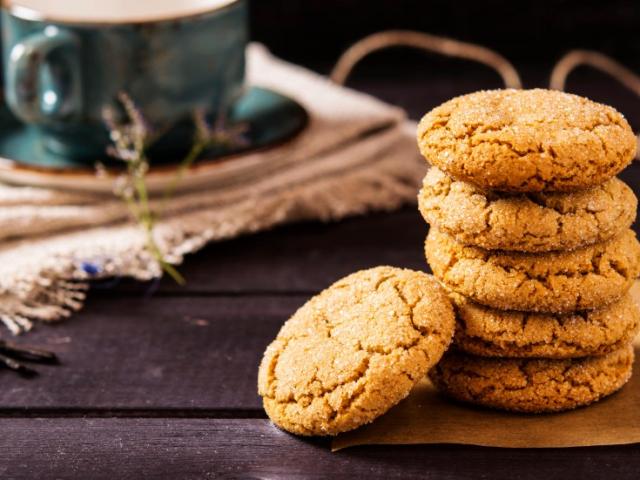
129 145
130 142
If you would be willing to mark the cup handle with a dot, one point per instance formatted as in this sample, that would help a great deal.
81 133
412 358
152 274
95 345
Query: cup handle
37 94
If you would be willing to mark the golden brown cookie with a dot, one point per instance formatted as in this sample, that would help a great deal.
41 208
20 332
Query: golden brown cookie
534 222
555 282
527 140
355 350
532 385
488 332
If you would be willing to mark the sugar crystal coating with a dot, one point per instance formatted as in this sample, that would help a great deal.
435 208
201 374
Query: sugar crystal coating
488 332
527 140
532 385
554 282
355 350
534 222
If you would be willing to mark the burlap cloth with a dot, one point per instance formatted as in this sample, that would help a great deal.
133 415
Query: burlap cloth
356 155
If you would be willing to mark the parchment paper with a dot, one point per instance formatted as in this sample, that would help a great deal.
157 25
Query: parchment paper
428 417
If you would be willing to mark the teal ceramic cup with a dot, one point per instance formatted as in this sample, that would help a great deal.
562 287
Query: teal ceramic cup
65 62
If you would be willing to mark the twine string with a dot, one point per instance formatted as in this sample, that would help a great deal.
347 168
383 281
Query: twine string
428 42
470 51
599 61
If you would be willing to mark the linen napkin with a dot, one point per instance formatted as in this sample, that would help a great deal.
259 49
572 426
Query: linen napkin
357 154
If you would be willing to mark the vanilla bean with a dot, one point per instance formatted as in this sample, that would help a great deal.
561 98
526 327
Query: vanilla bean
17 367
29 354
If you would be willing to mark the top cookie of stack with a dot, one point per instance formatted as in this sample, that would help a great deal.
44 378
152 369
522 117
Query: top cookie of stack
527 140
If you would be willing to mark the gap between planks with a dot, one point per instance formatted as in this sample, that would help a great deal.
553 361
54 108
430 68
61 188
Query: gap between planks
237 414
142 292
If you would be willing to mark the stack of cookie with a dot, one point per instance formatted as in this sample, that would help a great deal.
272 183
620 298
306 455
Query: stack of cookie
530 234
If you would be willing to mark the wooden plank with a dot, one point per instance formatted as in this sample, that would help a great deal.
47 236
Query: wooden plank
163 353
200 448
301 258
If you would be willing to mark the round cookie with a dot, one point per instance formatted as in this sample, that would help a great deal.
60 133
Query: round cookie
536 222
355 350
555 282
532 385
527 140
488 332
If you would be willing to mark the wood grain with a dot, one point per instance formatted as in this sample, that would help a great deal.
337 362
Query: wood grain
301 258
251 449
161 353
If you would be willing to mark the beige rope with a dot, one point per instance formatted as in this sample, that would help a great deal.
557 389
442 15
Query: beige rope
424 41
596 60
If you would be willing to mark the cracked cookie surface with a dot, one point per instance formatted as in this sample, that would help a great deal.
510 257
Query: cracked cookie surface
527 140
535 222
555 282
488 332
532 385
355 350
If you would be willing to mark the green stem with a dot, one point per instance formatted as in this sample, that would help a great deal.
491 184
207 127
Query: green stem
133 140
153 248
141 209
148 221
195 151
141 191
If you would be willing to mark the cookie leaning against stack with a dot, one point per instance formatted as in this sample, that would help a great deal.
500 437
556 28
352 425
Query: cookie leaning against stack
355 350
530 234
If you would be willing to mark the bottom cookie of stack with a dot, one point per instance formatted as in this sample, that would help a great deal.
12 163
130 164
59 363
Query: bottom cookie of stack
532 385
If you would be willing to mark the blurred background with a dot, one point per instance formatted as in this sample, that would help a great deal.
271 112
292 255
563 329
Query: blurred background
533 35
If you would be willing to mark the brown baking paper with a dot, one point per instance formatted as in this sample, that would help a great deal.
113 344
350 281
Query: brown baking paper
428 417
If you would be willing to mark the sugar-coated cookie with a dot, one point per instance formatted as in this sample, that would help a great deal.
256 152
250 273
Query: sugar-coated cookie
489 332
534 222
532 385
555 282
355 350
527 140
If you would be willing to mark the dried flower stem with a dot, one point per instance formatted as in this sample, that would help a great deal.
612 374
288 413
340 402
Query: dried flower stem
130 142
146 218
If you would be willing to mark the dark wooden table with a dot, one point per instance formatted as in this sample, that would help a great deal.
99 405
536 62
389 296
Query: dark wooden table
159 381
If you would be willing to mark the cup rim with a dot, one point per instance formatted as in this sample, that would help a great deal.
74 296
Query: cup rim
30 14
